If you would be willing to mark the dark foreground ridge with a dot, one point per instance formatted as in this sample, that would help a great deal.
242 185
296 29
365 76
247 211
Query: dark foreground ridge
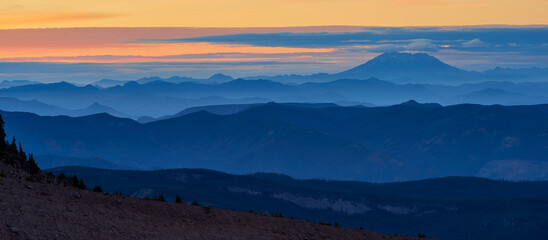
451 208
35 205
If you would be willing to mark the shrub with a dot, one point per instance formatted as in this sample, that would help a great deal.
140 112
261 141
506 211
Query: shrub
161 198
62 177
32 167
178 199
97 189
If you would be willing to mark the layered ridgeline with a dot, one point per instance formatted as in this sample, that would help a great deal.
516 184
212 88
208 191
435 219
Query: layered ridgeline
445 208
400 142
388 79
36 205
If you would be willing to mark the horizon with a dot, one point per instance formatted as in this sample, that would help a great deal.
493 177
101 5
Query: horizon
90 54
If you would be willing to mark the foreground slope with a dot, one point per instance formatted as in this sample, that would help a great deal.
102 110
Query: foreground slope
43 211
34 205
447 208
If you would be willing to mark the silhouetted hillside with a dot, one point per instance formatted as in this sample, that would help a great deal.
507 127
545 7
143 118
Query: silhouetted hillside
445 208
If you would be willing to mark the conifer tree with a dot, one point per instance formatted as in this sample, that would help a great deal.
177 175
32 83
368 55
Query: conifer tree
21 153
97 189
161 198
62 177
2 137
13 144
74 181
178 199
81 184
32 166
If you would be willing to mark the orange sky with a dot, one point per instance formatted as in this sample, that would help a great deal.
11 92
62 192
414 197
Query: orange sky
267 13
80 44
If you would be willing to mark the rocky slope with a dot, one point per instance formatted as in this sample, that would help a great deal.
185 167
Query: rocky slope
39 206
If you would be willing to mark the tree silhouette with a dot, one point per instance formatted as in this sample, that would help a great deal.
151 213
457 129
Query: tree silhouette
32 167
2 137
81 184
13 144
62 177
21 152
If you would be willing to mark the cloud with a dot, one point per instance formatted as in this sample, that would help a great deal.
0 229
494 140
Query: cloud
422 45
386 48
528 39
474 43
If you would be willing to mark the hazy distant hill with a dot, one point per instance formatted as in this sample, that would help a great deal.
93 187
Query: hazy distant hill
14 83
33 106
228 109
159 98
445 208
400 142
96 108
216 78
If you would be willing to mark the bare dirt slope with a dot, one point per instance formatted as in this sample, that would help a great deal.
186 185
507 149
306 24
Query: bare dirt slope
40 210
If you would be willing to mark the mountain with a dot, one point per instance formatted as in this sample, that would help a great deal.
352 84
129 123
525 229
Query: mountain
528 74
48 161
228 109
158 98
151 99
395 143
40 108
225 109
33 106
421 68
14 83
216 78
444 208
418 67
489 96
106 83
96 108
219 77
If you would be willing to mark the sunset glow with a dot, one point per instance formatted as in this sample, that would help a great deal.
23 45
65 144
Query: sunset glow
267 13
333 35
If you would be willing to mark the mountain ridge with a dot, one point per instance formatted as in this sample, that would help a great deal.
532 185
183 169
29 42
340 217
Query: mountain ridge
400 142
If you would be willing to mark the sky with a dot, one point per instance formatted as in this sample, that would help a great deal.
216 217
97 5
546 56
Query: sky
84 41
268 13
